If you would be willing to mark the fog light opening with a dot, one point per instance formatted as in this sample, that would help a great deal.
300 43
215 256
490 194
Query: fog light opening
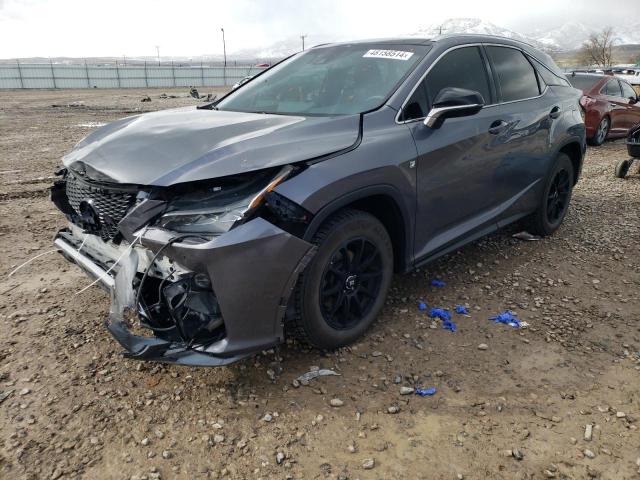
183 310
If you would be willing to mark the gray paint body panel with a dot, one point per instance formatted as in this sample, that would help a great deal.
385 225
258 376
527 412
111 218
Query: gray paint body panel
186 144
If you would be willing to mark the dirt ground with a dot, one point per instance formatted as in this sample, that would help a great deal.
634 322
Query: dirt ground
72 407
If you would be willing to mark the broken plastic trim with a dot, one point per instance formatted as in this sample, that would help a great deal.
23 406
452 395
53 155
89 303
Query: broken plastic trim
287 215
221 204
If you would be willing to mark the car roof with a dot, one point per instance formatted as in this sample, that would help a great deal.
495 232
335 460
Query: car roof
378 41
453 38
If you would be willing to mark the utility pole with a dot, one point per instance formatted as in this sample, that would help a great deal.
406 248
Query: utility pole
124 60
303 37
224 48
224 52
158 53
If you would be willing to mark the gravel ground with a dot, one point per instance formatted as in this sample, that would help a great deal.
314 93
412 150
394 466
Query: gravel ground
558 399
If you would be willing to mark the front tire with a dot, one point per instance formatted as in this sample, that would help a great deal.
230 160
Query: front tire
341 292
554 203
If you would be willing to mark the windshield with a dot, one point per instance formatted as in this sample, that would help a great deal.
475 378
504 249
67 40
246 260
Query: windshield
339 80
583 82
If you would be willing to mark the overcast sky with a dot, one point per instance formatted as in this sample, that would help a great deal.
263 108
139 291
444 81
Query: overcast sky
81 28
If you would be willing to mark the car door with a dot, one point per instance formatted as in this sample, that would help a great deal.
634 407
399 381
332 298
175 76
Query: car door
633 106
528 110
617 106
456 162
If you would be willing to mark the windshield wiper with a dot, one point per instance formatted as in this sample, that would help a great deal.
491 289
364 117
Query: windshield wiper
208 106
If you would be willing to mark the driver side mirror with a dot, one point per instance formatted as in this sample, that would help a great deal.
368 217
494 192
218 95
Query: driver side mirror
453 102
633 100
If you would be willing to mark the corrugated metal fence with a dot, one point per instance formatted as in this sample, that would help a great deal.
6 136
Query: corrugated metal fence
53 75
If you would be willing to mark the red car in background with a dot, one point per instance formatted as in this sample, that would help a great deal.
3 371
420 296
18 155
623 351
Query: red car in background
611 105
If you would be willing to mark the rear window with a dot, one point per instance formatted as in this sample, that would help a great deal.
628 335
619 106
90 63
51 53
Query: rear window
583 82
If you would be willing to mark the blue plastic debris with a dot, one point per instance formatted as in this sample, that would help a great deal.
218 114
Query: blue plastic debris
426 392
507 317
462 310
447 325
437 283
422 306
440 313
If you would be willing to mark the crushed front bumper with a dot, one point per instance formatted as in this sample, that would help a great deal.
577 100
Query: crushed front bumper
252 268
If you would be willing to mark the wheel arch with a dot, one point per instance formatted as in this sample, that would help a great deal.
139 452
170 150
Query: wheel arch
573 149
384 203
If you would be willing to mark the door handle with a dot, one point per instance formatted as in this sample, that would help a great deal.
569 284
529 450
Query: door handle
555 112
497 127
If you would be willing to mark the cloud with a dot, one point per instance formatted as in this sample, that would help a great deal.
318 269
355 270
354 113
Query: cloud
125 27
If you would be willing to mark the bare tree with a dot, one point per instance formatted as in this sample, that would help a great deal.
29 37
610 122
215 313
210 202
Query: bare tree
598 49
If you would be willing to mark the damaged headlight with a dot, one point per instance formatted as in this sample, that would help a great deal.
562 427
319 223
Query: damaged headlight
216 208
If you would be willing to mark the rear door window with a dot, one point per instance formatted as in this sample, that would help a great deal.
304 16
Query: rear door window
516 76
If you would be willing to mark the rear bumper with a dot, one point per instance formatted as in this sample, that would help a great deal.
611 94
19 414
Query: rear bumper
252 268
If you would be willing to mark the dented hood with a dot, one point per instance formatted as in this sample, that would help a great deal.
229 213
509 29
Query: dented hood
186 144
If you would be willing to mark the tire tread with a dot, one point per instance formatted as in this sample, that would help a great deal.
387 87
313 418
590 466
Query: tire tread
294 324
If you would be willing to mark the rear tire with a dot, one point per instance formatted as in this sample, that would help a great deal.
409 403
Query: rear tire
342 290
601 133
554 203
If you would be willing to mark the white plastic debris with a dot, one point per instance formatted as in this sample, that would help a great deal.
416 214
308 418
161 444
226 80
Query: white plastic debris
526 236
315 374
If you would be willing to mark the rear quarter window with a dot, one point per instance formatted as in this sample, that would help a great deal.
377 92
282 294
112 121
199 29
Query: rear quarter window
547 75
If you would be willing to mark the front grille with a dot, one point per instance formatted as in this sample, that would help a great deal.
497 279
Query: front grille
109 205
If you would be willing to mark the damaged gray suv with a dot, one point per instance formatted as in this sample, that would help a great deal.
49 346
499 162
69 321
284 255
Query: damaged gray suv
285 207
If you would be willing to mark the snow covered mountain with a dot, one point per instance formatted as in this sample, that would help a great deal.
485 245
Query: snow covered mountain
562 38
628 34
569 36
572 35
565 37
469 25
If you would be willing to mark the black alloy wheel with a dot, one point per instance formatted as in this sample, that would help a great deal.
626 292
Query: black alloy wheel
558 196
553 203
350 283
342 290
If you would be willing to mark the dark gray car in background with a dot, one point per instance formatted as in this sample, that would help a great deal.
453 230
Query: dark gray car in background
285 207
